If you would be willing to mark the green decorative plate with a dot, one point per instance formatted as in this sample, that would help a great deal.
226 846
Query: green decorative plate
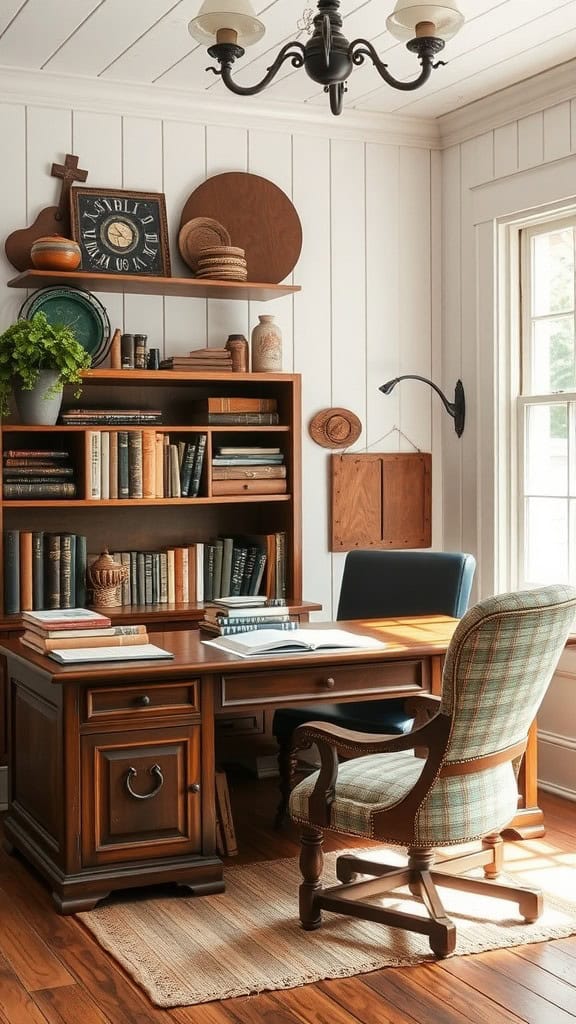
78 309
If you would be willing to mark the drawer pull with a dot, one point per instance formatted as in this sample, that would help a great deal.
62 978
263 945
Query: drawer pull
195 787
154 770
143 701
329 683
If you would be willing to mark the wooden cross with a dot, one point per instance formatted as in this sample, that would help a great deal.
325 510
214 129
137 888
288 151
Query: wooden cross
69 172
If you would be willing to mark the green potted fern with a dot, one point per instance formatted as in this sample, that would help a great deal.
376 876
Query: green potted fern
36 359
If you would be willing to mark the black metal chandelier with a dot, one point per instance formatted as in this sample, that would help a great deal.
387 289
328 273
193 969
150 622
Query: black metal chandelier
328 58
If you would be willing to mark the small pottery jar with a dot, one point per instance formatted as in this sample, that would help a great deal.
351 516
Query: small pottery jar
266 346
238 348
53 252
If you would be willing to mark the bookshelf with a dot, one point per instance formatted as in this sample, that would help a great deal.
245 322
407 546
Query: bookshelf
143 524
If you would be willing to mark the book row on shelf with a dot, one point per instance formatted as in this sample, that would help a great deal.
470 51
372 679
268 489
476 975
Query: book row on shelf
144 464
46 570
43 570
203 571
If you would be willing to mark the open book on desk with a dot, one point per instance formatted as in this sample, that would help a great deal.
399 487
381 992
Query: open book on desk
275 641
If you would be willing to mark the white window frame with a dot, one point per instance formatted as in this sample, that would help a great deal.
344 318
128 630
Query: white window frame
519 259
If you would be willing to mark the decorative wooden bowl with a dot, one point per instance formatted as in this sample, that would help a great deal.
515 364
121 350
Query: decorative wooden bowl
53 252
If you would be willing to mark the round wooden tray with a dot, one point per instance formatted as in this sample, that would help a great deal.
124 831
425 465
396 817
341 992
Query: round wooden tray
259 217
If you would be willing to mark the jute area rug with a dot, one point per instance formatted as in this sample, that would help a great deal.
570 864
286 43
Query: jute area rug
187 950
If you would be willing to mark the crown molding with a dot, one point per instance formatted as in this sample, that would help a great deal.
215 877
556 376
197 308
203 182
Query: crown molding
43 89
516 101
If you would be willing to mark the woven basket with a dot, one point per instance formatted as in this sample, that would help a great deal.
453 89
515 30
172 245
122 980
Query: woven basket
105 577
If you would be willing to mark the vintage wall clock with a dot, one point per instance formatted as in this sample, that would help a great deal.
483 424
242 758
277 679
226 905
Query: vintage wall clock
121 232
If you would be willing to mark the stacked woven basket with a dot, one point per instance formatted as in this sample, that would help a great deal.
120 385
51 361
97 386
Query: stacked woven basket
223 262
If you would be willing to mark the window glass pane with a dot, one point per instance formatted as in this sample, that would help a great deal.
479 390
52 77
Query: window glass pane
546 449
552 364
546 541
553 272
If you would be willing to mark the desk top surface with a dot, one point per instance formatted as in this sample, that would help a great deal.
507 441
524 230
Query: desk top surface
413 635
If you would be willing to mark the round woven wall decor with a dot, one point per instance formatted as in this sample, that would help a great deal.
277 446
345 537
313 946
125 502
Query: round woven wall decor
335 428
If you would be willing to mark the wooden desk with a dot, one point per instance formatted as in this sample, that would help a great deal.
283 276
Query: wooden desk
111 768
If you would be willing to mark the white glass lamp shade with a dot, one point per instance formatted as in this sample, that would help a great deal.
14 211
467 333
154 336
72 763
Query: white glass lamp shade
407 14
236 16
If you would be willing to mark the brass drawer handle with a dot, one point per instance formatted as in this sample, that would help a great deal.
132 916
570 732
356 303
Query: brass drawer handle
154 770
329 683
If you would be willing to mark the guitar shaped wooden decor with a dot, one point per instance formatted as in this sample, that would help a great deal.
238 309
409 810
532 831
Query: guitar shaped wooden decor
53 220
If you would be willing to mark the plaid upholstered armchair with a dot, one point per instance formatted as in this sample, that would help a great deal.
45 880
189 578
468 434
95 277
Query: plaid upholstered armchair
497 670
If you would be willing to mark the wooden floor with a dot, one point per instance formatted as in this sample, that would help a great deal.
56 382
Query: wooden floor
52 970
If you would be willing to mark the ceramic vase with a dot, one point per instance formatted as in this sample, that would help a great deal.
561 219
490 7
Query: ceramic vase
39 406
266 346
53 252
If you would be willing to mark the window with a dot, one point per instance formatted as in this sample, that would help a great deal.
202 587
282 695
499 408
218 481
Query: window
547 405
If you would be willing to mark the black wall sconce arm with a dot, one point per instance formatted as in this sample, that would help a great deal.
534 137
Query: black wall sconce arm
456 409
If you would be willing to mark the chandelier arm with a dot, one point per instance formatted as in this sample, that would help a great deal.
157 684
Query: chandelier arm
226 54
336 91
426 47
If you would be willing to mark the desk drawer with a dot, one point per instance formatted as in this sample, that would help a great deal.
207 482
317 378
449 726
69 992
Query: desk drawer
113 702
325 682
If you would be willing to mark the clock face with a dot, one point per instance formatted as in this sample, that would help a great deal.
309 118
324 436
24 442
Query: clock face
121 232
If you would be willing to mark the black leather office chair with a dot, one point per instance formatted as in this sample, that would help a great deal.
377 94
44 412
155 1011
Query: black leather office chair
379 584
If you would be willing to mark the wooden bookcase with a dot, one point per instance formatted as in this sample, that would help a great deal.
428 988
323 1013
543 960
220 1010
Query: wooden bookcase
151 524
145 524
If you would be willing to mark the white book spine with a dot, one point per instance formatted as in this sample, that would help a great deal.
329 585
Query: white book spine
159 465
200 572
163 577
95 448
105 465
171 576
185 588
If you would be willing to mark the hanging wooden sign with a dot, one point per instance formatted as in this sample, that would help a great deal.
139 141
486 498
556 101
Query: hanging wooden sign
381 500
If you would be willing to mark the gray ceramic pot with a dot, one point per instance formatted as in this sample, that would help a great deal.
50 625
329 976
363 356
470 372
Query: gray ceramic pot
37 406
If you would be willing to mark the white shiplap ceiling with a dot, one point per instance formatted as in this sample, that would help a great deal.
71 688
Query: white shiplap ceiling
147 42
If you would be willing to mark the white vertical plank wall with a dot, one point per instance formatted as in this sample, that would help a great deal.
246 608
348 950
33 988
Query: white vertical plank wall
365 309
523 165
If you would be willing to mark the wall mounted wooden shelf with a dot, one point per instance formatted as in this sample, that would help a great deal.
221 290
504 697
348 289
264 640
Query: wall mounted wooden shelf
189 287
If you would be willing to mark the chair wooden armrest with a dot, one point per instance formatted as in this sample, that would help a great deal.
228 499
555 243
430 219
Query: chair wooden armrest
423 706
332 740
356 744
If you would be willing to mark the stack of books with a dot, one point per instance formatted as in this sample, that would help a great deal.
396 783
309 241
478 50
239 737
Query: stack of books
262 470
43 570
47 631
78 635
200 359
228 616
221 410
37 474
111 417
144 464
